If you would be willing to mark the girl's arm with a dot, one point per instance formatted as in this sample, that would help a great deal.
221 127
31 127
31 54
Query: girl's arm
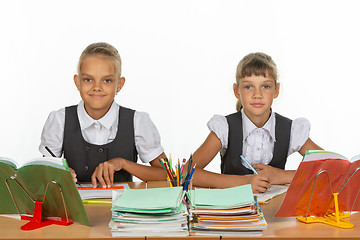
202 178
309 145
104 173
279 176
146 173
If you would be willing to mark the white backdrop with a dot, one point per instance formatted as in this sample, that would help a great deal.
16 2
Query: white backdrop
179 61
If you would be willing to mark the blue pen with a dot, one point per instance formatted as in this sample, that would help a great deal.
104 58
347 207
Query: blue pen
249 165
189 178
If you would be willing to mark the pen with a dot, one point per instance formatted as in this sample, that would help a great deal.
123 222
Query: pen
51 153
179 172
170 163
177 177
188 169
167 165
249 165
182 166
97 201
162 164
189 178
169 174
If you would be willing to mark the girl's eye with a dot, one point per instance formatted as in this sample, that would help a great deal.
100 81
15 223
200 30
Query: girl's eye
247 87
108 80
266 86
87 80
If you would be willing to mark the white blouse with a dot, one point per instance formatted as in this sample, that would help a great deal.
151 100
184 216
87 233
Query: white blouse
258 143
102 131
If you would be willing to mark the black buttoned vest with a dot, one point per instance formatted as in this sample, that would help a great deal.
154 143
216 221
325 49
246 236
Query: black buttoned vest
231 162
84 157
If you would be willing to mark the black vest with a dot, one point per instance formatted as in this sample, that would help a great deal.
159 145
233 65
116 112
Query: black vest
84 157
231 162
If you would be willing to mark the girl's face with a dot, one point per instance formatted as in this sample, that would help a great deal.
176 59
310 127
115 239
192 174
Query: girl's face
98 83
256 94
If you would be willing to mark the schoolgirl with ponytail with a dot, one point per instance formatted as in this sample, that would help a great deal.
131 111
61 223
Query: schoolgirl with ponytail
264 138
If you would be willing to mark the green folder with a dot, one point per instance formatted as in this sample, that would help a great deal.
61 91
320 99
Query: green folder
222 198
154 200
28 183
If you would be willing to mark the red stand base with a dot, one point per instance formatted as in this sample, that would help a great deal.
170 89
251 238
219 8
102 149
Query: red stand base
37 222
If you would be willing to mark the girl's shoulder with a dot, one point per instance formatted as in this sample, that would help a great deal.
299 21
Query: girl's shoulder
300 132
142 120
301 120
141 116
301 124
57 115
296 121
218 120
219 125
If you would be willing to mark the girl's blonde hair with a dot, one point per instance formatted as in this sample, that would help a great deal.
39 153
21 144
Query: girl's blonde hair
258 64
102 49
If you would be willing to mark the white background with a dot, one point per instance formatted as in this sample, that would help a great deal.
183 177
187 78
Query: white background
179 61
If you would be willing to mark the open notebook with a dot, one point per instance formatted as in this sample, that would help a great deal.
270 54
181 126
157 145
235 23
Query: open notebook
86 190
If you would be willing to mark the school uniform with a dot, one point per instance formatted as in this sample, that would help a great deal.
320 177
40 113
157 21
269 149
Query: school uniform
85 142
270 144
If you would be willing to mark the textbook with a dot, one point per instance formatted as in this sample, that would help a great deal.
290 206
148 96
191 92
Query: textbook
22 187
319 175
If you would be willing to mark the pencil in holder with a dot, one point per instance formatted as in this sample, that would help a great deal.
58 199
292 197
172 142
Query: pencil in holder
187 185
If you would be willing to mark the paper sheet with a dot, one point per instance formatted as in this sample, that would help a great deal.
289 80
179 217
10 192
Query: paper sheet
275 190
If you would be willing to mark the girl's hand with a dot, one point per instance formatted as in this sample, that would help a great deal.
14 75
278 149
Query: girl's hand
276 175
73 174
259 183
104 172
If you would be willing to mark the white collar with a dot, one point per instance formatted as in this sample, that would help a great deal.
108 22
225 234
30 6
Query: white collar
106 121
249 126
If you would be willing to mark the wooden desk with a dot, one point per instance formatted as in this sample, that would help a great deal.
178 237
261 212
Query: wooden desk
99 214
290 228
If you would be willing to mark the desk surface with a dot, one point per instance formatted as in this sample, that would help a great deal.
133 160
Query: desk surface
278 228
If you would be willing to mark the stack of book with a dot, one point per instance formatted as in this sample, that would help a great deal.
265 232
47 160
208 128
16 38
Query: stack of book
231 211
150 212
87 191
